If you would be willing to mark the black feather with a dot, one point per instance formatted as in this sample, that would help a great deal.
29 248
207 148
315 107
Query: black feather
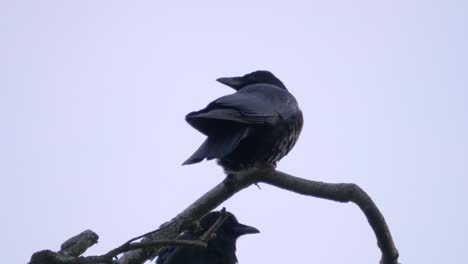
260 123
220 250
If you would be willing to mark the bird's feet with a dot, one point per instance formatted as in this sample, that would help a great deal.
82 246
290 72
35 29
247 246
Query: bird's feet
266 166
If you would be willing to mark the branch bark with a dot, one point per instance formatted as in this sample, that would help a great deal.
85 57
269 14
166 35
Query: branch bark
342 192
187 219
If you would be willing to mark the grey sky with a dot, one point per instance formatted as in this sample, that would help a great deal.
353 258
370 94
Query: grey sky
94 93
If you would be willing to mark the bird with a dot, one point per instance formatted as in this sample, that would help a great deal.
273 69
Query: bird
221 249
254 127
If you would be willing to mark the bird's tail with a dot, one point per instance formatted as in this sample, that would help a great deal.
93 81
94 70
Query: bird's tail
218 146
199 155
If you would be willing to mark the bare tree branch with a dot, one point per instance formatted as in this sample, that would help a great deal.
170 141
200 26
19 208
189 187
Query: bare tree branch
153 242
78 244
48 256
187 218
212 230
342 192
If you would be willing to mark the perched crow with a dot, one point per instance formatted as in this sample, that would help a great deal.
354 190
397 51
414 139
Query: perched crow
220 250
257 125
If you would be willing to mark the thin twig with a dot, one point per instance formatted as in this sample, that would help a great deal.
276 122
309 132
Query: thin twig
146 244
212 230
141 236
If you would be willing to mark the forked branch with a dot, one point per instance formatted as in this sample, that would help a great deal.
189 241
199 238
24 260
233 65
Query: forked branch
149 247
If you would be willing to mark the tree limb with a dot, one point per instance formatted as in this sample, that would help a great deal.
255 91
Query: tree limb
187 219
50 257
78 244
342 192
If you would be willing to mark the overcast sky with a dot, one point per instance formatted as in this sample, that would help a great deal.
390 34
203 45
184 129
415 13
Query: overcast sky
94 94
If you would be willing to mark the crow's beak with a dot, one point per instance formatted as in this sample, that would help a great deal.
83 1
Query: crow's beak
234 82
241 229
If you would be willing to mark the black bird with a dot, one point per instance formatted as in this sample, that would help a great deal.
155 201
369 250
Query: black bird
220 250
257 125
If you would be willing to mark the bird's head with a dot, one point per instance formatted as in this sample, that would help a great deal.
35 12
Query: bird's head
231 229
255 77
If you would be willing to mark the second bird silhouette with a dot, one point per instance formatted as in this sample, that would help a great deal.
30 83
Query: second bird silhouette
257 125
220 250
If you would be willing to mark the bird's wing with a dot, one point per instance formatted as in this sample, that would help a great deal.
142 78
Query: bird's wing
243 108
